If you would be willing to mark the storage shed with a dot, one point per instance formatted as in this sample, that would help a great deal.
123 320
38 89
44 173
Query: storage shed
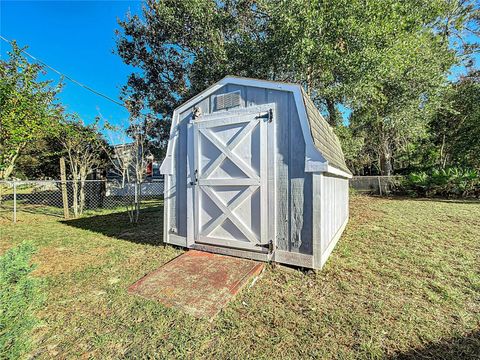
253 170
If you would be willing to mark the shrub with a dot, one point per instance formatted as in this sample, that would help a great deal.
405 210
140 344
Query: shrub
20 297
452 182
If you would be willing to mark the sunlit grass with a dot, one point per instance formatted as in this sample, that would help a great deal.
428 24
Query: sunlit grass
404 280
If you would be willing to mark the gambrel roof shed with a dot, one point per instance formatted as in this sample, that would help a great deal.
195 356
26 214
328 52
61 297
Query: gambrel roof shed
253 170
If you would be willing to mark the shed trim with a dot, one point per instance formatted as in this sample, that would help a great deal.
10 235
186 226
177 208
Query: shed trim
291 258
327 252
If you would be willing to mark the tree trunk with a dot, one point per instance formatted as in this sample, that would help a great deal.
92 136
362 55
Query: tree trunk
81 194
386 158
75 197
138 201
81 197
63 177
5 174
332 112
443 156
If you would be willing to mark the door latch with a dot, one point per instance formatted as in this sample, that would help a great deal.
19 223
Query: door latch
270 246
195 178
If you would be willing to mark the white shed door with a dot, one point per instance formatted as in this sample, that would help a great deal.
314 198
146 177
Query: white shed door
231 181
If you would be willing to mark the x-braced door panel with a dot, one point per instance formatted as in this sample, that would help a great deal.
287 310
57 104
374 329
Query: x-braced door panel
231 181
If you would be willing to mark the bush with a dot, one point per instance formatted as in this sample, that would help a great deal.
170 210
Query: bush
20 297
452 182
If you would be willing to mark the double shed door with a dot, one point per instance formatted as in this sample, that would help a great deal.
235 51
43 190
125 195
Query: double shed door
230 180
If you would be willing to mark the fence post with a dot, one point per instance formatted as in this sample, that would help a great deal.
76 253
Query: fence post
379 185
14 201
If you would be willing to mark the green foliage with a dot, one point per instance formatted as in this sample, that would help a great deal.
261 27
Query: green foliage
28 108
40 160
455 127
451 182
340 51
386 60
353 148
83 144
20 297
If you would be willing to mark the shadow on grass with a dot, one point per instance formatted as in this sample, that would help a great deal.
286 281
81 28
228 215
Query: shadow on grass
462 347
48 211
471 201
148 230
451 201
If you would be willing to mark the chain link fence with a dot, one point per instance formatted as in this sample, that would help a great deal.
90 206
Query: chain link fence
57 198
376 185
73 198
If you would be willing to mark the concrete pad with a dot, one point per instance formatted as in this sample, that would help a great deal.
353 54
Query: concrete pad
197 282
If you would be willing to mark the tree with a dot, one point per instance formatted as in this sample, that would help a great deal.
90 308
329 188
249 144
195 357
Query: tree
332 47
455 128
85 153
353 145
383 59
28 108
129 157
40 159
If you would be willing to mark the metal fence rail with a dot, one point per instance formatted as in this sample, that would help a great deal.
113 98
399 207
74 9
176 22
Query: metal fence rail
378 185
54 197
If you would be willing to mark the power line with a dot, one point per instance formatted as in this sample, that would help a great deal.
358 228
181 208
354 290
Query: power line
98 93
66 76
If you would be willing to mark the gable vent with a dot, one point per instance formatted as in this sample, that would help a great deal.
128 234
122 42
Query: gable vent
228 100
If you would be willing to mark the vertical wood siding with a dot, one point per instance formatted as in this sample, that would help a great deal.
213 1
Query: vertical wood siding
334 208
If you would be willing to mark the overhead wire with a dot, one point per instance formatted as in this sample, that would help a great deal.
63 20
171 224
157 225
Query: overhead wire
86 87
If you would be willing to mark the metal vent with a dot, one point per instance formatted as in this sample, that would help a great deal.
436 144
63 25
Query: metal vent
227 100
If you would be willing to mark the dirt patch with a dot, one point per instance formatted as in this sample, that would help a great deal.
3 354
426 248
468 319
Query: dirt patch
4 247
364 209
53 261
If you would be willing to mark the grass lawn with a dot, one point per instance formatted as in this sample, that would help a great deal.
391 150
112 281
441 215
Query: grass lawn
403 282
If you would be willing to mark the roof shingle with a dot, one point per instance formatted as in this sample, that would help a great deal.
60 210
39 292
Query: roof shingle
323 136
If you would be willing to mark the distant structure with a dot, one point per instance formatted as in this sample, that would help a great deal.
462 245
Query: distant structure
124 154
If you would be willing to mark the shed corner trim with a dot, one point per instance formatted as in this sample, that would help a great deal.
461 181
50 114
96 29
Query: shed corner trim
166 167
334 171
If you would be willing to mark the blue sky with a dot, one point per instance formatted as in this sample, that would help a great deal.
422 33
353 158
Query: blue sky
77 38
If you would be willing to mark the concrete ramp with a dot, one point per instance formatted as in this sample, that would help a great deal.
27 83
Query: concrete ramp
197 282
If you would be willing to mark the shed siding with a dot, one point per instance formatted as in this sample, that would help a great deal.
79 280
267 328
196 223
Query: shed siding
299 186
334 211
293 185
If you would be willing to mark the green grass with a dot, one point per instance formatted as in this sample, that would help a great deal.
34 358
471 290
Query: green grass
403 282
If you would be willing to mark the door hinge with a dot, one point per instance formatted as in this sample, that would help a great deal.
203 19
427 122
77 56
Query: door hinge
268 246
268 116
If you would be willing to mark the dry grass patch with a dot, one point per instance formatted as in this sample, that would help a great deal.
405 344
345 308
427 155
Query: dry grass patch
54 261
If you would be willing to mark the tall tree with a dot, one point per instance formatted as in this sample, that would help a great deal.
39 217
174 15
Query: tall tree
455 127
28 108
